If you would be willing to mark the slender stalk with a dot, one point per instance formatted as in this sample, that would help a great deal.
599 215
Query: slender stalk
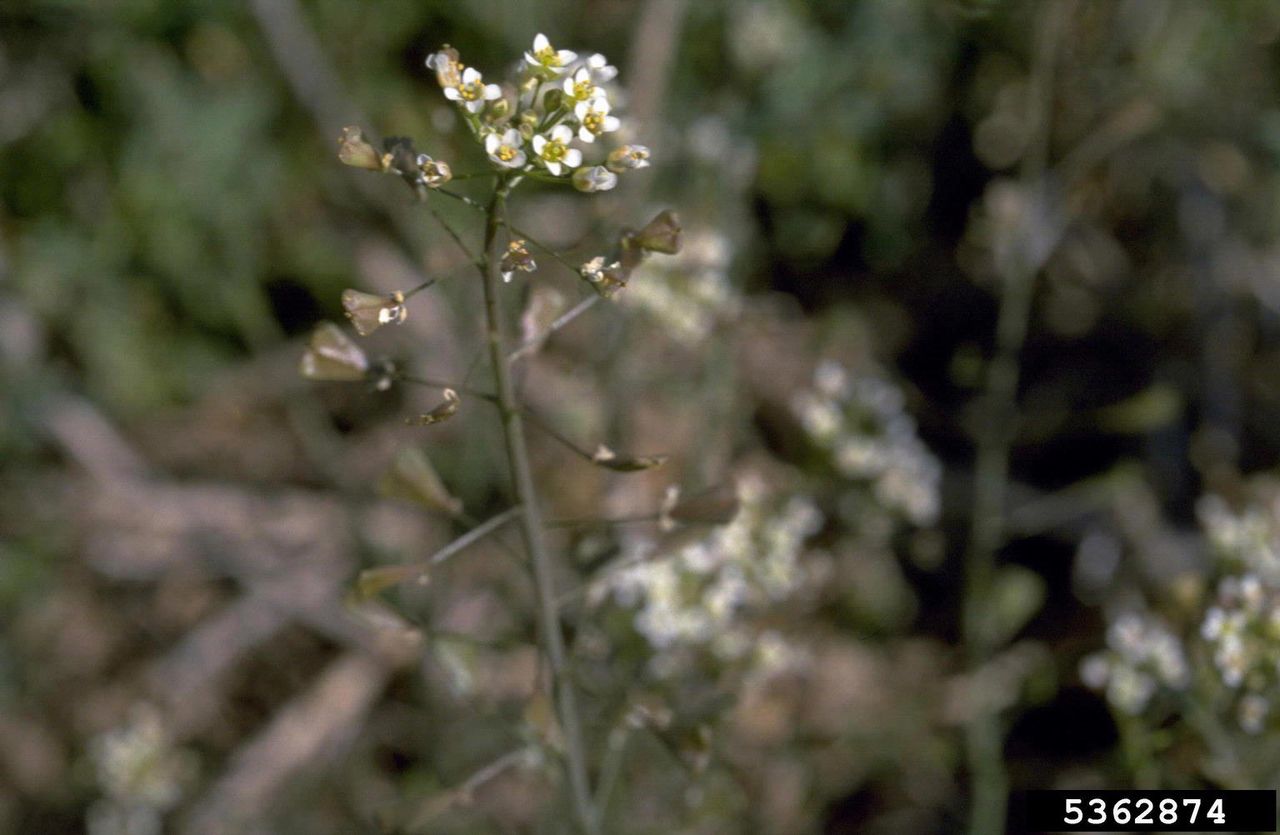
984 732
531 527
536 342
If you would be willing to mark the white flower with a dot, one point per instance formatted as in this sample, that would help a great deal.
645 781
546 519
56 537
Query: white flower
596 178
600 68
505 149
553 149
581 86
447 68
595 119
628 158
471 90
545 57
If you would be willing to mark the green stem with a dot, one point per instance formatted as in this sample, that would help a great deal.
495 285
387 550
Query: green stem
531 527
984 732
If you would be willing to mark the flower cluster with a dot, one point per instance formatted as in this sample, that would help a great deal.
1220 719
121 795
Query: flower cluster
1143 656
698 596
689 294
530 126
142 774
1236 642
1242 625
860 420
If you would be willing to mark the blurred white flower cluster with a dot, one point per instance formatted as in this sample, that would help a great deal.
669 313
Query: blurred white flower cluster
1237 637
687 295
1242 626
1143 655
861 422
141 773
700 595
530 126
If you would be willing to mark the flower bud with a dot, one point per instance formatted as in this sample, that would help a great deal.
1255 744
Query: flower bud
356 151
368 312
497 110
516 257
596 178
662 234
435 172
627 158
331 355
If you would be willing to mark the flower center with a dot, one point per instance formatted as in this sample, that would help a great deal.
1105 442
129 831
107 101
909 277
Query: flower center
553 151
471 92
506 153
593 122
582 90
548 57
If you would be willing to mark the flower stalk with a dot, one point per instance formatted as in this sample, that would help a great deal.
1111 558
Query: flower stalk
531 525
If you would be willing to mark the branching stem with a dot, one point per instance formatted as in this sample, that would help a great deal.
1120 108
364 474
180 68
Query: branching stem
531 526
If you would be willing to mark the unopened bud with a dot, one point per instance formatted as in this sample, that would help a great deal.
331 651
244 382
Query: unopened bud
595 178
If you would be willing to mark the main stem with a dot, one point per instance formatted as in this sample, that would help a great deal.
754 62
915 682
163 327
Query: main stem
531 526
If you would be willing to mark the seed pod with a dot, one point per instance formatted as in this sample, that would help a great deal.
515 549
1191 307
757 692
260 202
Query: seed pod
356 151
610 460
662 234
440 413
368 312
332 356
413 478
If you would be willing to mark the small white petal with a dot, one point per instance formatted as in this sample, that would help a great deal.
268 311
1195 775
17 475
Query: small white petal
581 109
562 133
518 160
470 75
611 123
452 94
573 158
511 137
586 135
492 91
475 106
491 143
540 42
567 56
539 142
554 168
